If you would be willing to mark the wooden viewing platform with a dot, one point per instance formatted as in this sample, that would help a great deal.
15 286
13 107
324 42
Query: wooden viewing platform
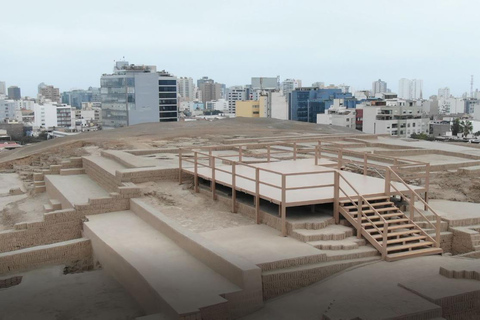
293 182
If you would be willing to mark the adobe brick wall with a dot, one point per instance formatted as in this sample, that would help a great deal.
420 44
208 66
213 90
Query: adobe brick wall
105 179
32 258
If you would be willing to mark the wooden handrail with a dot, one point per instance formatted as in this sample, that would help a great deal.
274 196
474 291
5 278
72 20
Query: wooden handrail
426 206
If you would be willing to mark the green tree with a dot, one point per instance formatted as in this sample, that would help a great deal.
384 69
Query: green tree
456 127
466 128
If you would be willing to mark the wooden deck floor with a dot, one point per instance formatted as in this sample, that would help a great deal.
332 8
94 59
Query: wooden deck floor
310 177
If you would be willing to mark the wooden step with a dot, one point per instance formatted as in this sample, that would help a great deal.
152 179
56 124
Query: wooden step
379 210
375 204
411 254
369 199
394 234
388 215
410 245
402 226
406 239
377 223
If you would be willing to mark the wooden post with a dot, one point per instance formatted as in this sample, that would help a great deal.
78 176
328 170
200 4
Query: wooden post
294 151
213 183
240 154
316 155
412 205
234 190
268 153
257 195
437 233
195 177
385 240
427 183
387 181
336 196
319 149
284 206
210 157
340 158
365 163
180 166
359 217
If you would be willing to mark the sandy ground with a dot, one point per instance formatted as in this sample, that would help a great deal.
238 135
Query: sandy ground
455 186
191 210
18 208
49 294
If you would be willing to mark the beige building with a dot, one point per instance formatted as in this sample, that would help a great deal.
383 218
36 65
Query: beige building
49 93
252 108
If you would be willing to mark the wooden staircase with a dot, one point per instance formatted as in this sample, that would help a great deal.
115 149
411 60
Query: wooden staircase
380 222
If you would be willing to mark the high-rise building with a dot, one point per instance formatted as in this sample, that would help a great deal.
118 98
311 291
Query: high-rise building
320 85
138 94
186 89
14 93
211 90
49 92
444 92
234 94
289 85
379 86
417 89
3 89
76 97
410 89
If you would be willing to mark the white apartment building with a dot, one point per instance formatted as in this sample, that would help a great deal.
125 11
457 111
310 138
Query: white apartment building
396 117
234 94
219 105
289 85
7 110
379 86
50 115
186 89
451 105
444 93
410 89
338 115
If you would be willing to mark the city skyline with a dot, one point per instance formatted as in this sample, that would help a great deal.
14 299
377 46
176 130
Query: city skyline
74 50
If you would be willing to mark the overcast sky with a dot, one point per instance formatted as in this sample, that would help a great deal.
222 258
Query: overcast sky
71 43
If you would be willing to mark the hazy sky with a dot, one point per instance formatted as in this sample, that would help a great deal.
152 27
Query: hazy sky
71 43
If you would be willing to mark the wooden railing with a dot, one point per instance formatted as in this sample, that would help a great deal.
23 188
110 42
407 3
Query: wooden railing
412 196
360 200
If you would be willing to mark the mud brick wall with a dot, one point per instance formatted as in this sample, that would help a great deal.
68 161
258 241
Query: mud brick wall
75 162
460 307
10 282
47 255
279 283
103 205
32 234
99 175
139 175
464 240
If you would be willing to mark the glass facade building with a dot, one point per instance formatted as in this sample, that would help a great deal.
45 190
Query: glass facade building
138 94
305 103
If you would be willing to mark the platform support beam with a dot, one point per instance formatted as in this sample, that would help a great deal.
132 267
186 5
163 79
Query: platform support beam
283 205
257 195
365 164
180 166
234 189
336 197
213 182
195 176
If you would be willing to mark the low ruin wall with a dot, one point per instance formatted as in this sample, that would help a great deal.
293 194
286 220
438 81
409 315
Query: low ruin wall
78 251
